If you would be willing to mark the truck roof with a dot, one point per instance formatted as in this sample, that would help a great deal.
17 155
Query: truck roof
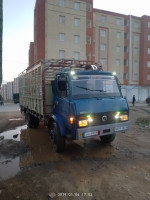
86 72
49 68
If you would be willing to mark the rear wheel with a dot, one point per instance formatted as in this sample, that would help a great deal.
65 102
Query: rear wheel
57 140
107 138
29 120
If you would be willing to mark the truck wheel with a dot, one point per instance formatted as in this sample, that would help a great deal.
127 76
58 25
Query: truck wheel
58 141
35 122
107 138
29 120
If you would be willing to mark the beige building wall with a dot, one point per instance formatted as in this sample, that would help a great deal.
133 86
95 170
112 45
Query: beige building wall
135 50
109 42
4 91
10 91
59 37
15 85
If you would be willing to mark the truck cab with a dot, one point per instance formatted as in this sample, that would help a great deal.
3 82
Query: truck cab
87 103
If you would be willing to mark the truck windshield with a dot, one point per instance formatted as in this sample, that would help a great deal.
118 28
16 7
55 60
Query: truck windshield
94 86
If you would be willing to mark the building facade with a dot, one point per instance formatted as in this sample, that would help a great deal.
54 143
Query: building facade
4 92
16 85
73 29
8 89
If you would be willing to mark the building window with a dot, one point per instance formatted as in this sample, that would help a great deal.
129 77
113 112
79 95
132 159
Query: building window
88 7
125 76
125 49
103 18
88 23
76 39
148 24
77 55
125 22
103 61
136 37
148 77
76 5
148 63
135 77
148 37
118 35
125 62
148 50
76 21
118 48
61 19
103 33
136 51
61 37
61 54
103 47
88 39
125 35
136 24
118 63
118 21
135 64
61 3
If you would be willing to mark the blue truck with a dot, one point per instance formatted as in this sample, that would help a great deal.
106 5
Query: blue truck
74 99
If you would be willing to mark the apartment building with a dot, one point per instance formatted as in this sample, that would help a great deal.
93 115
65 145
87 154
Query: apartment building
16 85
4 92
8 89
7 92
73 29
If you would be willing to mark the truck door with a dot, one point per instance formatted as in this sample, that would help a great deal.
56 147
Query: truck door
62 98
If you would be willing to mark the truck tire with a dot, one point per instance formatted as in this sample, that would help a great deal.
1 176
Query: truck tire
35 122
107 138
57 140
29 120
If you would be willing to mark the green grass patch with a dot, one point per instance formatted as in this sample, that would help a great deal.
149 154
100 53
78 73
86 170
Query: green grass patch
145 121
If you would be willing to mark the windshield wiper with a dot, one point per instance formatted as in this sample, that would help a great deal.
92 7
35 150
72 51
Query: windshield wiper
90 89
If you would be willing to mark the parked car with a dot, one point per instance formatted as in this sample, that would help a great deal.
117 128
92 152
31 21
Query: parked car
148 100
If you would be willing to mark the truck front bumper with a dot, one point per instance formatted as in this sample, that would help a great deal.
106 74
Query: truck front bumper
101 130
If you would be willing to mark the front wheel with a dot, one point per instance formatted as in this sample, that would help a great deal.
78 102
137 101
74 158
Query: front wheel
35 122
58 141
107 138
29 120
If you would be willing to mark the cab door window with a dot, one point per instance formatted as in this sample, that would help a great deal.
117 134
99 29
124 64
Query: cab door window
62 87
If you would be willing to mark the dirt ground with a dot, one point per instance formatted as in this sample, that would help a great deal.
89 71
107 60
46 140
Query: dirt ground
87 169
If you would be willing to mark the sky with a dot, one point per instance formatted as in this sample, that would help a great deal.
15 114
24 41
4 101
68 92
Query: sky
18 28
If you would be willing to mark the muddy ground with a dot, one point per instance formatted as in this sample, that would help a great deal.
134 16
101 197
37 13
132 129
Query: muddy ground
86 170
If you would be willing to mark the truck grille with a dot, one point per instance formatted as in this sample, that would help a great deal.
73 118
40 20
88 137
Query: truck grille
101 118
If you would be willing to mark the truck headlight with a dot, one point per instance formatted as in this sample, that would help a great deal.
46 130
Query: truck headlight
122 117
83 123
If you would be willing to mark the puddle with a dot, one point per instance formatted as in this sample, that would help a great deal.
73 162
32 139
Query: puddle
9 167
16 119
13 134
41 150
